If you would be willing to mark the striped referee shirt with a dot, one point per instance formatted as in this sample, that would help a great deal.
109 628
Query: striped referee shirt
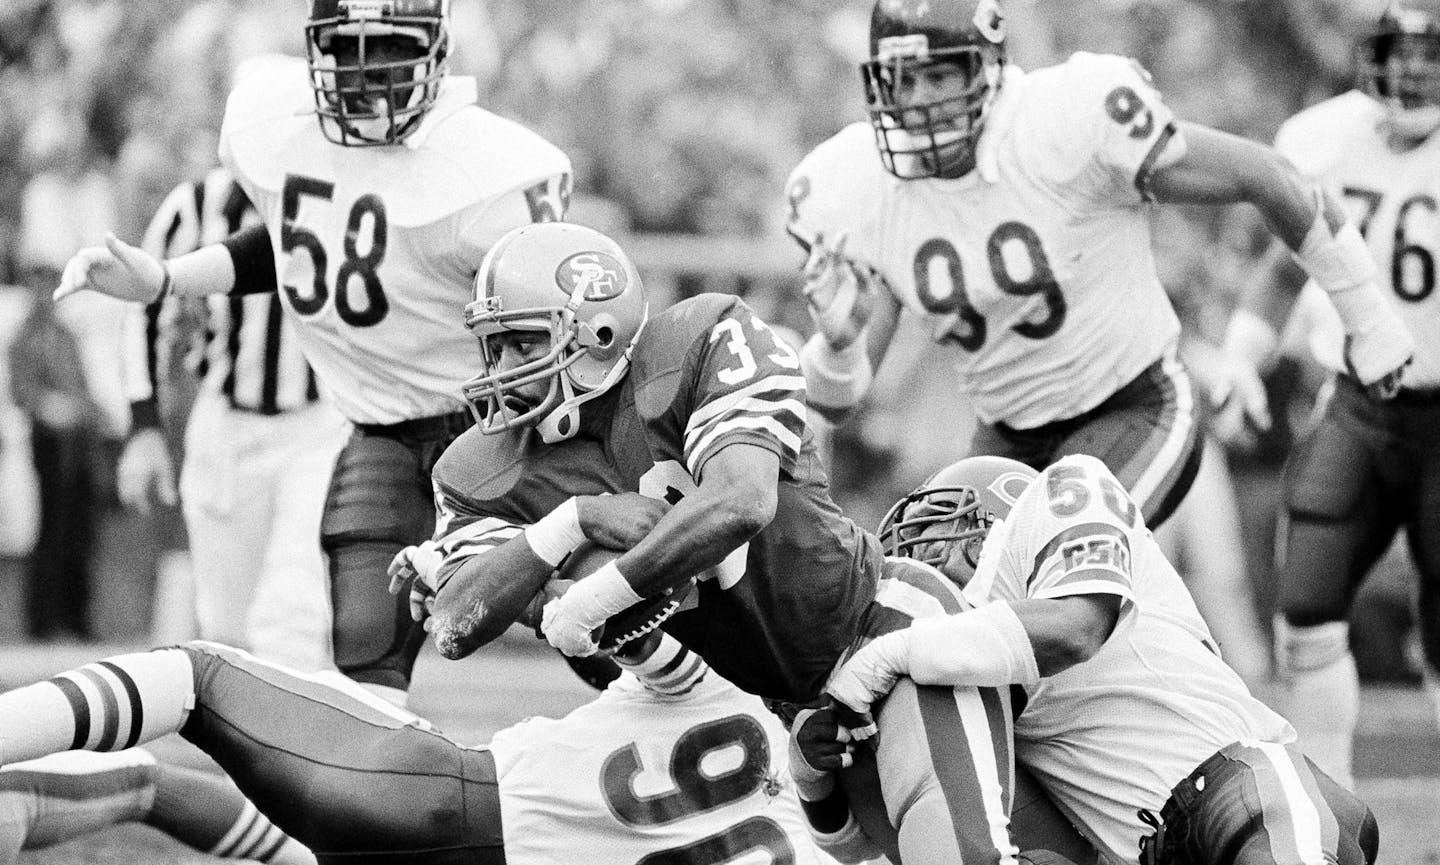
242 347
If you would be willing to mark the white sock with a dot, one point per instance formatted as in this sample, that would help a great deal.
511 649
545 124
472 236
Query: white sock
108 705
1321 693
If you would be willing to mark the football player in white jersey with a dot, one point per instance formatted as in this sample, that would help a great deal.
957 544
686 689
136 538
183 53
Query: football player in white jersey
670 764
1145 714
1010 210
381 185
1369 467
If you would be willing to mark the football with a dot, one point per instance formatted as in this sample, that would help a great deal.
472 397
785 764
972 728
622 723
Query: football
631 623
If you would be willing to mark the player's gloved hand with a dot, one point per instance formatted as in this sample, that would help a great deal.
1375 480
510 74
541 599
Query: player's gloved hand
117 269
1378 356
820 746
839 292
870 673
619 521
567 629
1241 407
419 567
145 473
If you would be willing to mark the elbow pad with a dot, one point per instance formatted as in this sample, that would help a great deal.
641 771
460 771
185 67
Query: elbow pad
986 646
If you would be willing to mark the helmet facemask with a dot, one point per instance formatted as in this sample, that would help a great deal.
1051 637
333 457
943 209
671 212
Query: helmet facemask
374 78
1400 67
584 360
936 138
942 526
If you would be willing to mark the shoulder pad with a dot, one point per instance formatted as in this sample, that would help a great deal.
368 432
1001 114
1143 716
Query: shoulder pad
669 338
271 106
835 187
480 468
1318 137
1062 108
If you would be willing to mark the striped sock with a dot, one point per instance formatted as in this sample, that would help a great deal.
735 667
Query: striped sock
208 812
108 705
671 670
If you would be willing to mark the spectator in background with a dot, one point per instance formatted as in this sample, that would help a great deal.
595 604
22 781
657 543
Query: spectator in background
48 385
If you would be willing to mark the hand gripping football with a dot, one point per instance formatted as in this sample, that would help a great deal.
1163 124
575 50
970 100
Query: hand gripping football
635 621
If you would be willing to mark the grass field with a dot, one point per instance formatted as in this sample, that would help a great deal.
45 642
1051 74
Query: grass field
1398 750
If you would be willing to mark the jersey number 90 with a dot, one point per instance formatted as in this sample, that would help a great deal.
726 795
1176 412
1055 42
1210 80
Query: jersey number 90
698 791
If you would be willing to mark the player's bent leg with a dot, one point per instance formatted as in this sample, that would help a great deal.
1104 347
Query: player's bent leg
206 811
1423 533
377 786
62 796
379 502
944 758
1256 803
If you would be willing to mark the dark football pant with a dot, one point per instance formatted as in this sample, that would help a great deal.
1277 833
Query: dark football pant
1146 433
1367 469
380 502
1261 804
354 782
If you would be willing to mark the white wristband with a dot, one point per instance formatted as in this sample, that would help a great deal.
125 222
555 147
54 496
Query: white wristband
1336 261
835 379
555 535
599 596
986 646
1251 337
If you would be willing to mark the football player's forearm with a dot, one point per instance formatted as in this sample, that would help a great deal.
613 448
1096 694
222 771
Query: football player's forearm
736 498
1067 631
485 596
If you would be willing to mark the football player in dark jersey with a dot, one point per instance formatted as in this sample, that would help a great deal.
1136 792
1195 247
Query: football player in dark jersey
681 439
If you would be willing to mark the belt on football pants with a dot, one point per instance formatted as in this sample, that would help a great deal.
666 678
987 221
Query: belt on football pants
424 428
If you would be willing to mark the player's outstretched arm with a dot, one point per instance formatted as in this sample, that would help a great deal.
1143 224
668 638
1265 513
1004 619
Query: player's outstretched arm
1218 168
241 263
1001 643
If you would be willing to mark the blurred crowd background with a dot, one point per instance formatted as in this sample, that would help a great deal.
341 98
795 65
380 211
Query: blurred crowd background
683 118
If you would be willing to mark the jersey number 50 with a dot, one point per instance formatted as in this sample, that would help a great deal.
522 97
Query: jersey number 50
355 265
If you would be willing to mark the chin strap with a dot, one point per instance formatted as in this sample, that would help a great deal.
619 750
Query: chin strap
564 421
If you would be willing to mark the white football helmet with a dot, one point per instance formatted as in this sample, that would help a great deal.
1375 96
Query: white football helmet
579 287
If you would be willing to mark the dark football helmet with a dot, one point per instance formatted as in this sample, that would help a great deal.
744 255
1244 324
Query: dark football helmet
1399 64
375 66
577 286
935 138
945 520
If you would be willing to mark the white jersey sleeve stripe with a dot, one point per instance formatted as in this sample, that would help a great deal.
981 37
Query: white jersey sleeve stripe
753 408
783 383
1098 540
1142 174
696 456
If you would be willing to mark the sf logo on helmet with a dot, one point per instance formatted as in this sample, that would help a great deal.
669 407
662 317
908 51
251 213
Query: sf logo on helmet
596 275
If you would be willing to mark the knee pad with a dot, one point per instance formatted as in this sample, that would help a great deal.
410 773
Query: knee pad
1299 648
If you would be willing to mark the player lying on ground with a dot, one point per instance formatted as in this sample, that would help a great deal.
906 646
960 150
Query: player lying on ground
1148 716
63 796
671 761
